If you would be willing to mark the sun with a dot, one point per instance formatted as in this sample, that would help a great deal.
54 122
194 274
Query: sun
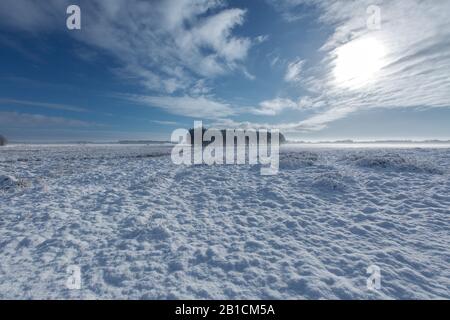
358 62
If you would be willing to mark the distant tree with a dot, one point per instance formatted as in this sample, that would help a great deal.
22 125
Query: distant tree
3 141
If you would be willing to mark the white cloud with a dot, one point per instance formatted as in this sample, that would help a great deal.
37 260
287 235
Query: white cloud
165 123
166 45
412 71
26 120
275 106
274 61
200 107
32 16
175 47
291 10
314 123
46 105
248 75
261 39
278 105
215 33
294 70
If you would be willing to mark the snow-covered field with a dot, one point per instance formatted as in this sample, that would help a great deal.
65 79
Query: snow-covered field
141 227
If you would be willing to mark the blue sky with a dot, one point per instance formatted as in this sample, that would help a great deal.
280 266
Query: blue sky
316 70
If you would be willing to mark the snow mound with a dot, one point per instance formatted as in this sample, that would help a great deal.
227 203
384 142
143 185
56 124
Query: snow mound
332 181
297 160
394 161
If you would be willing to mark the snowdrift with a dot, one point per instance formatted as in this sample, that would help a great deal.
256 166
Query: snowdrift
298 160
394 161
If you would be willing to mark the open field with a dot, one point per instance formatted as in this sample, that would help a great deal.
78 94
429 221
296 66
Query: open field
141 227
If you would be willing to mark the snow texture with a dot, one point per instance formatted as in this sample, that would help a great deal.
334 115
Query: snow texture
141 227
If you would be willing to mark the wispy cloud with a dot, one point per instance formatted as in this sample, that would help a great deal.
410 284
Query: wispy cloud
27 120
262 38
165 123
195 107
55 106
278 105
314 123
294 70
194 39
290 10
167 46
32 16
413 67
176 48
275 106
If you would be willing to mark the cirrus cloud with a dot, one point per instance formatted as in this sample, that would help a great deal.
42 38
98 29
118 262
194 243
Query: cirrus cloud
415 66
194 107
165 45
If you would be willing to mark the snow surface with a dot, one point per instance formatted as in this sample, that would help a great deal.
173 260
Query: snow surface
141 227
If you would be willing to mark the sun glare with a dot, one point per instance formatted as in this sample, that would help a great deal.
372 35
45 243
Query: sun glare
358 62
